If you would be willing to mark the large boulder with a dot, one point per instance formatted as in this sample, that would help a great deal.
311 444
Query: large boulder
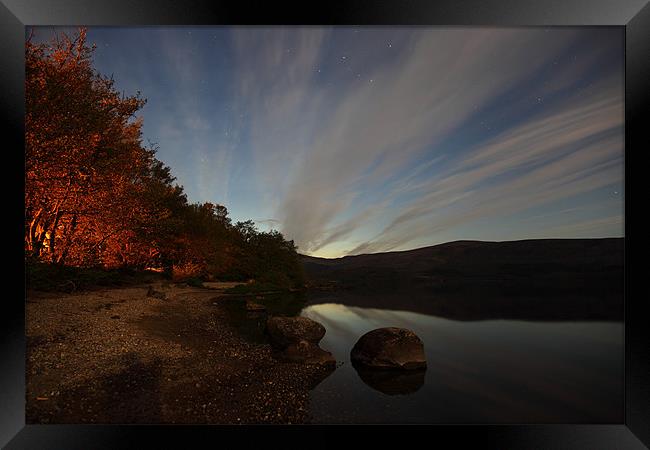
284 331
389 348
306 352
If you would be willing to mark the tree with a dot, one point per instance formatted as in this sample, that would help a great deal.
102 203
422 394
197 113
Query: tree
82 153
96 196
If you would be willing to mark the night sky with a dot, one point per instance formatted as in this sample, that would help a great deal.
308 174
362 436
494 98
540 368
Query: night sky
367 139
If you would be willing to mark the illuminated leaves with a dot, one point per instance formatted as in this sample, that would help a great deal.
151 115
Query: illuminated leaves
96 196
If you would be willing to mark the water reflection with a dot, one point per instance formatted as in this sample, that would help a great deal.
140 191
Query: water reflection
481 305
490 360
251 323
392 382
487 371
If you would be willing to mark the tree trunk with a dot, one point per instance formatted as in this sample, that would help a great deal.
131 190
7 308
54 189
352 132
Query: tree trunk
31 236
69 234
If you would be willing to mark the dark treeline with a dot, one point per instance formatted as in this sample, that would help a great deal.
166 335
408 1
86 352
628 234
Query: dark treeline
95 196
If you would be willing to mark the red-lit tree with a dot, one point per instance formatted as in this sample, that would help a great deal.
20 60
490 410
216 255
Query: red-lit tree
95 196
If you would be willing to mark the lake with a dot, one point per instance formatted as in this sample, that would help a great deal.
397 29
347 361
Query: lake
479 371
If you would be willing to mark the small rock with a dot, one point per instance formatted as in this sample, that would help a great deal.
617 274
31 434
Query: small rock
254 307
156 294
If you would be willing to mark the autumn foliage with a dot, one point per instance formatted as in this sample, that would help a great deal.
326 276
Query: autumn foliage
96 196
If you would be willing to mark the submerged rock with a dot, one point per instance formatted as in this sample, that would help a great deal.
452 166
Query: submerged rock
307 353
285 331
389 348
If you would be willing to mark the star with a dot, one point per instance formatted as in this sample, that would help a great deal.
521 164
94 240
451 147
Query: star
390 45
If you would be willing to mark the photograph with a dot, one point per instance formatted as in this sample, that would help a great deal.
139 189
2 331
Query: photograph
342 224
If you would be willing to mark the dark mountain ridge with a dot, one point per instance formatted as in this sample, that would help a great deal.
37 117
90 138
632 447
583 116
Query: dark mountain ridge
542 264
542 279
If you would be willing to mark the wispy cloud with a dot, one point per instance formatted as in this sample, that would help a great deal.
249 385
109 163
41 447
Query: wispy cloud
614 223
369 139
329 147
572 150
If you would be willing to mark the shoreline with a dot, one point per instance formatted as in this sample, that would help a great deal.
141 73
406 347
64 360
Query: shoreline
117 356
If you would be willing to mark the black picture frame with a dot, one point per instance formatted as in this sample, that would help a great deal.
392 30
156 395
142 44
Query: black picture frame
634 15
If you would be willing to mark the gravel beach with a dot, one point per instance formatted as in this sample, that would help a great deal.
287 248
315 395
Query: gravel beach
120 356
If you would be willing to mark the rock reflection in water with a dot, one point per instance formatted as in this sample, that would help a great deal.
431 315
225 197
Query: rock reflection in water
392 382
249 317
497 371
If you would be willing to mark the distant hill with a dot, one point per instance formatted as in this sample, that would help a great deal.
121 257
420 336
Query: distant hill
545 279
574 265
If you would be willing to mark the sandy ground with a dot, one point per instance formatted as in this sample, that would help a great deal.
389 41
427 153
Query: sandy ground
118 356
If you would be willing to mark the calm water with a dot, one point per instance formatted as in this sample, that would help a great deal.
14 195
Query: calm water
480 371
